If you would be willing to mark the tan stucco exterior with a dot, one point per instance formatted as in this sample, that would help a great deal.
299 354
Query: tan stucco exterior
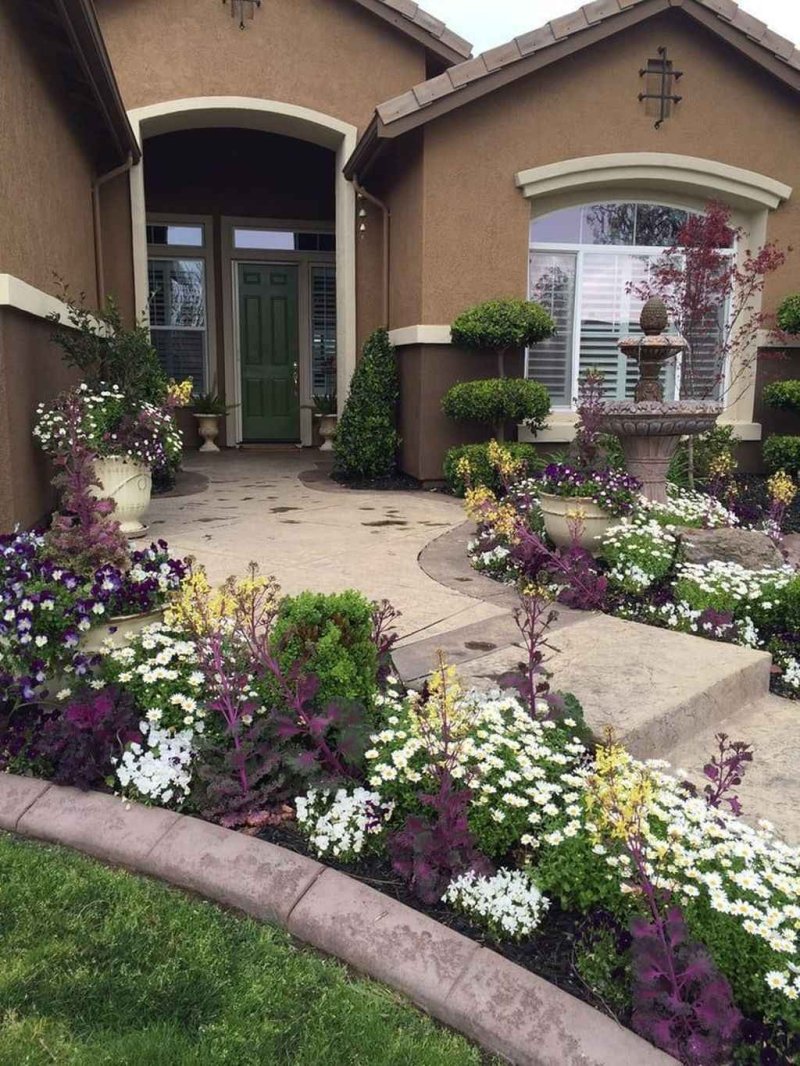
327 55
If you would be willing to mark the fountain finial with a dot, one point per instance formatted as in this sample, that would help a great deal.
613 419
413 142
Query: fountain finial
654 317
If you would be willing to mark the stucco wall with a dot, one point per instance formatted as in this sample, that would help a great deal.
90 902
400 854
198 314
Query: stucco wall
45 167
329 55
31 371
115 229
475 219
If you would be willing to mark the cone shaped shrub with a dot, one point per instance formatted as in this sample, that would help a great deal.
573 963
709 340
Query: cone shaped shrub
366 440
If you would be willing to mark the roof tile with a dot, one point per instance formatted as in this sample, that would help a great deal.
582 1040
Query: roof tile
502 55
398 107
781 46
429 22
458 44
536 39
405 7
794 59
726 9
463 73
753 27
567 24
428 91
600 9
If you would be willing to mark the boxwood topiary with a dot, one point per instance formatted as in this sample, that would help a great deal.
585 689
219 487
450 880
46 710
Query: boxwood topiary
789 313
482 470
501 326
366 442
495 401
784 394
331 635
782 453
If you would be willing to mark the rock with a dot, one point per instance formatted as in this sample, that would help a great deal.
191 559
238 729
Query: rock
747 547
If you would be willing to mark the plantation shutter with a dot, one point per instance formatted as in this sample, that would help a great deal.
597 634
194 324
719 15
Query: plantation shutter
178 317
323 330
552 284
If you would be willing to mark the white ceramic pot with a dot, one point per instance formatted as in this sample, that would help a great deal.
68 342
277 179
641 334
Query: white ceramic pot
118 630
575 519
208 428
129 485
327 430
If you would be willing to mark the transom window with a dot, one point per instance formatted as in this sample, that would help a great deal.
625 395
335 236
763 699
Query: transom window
583 261
281 240
185 236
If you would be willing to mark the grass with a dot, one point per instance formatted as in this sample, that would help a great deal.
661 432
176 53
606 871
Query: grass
100 967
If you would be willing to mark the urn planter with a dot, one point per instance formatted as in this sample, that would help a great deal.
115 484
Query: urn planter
119 629
129 484
327 430
208 428
577 520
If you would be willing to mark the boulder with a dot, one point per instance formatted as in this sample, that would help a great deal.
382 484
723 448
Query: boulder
747 547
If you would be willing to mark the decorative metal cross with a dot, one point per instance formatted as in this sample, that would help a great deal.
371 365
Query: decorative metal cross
245 8
662 67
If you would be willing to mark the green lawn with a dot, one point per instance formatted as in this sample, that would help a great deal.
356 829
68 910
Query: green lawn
98 967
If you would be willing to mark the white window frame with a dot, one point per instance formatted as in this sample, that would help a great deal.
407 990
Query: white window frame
580 250
205 253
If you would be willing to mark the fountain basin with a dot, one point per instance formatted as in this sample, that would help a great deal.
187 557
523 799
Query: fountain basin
650 431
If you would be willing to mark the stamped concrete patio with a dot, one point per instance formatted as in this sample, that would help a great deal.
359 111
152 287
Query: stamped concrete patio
665 694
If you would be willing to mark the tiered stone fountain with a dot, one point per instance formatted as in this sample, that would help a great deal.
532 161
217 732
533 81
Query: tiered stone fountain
649 426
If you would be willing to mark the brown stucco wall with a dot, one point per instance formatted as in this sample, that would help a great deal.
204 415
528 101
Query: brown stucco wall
426 372
31 371
115 229
475 219
45 167
329 55
776 364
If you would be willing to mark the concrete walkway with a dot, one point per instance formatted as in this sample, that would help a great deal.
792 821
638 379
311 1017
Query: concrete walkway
665 694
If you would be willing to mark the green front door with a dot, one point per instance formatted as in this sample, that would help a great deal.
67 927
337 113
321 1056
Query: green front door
269 351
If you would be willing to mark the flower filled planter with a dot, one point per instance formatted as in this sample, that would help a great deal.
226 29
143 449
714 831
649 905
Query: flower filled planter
129 484
579 507
118 630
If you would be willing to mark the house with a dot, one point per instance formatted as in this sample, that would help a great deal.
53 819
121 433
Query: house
270 181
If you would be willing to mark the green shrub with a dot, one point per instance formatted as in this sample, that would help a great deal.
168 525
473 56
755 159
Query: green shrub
483 472
366 441
789 313
501 326
495 401
331 635
783 394
782 453
708 446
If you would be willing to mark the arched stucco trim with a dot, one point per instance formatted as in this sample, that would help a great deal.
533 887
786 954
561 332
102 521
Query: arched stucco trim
269 116
652 172
683 181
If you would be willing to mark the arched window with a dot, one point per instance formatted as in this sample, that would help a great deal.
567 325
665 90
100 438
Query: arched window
583 261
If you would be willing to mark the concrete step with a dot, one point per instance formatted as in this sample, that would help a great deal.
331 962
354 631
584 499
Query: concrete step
771 786
653 688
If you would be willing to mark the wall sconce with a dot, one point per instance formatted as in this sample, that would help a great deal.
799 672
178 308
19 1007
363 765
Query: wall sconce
245 9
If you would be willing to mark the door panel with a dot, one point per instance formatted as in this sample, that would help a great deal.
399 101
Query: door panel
269 351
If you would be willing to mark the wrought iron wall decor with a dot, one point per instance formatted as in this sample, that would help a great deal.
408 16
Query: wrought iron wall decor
245 9
660 85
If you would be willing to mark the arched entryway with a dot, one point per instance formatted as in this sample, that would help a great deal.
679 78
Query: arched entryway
249 254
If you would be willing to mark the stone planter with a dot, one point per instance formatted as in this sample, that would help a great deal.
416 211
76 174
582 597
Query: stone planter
129 485
327 429
118 630
575 519
208 428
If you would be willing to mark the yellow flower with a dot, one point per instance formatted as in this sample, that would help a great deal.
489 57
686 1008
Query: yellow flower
722 465
781 488
202 609
503 461
464 469
477 500
180 393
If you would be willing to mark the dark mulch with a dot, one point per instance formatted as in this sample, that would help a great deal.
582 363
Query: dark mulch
548 954
396 483
184 483
753 490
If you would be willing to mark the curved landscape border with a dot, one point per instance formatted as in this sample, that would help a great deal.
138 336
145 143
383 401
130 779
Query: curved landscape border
501 1006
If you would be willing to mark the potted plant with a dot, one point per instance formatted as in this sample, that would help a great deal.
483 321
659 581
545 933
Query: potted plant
209 408
127 439
325 414
578 507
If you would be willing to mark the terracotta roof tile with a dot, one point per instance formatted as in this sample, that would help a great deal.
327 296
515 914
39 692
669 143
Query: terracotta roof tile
591 14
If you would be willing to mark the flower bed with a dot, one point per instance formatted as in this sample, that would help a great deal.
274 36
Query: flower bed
499 807
640 572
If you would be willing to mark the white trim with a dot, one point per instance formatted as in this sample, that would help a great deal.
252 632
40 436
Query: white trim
16 293
645 171
766 339
272 116
406 335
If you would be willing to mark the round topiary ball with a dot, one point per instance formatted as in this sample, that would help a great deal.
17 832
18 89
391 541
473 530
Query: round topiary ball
789 314
501 325
495 401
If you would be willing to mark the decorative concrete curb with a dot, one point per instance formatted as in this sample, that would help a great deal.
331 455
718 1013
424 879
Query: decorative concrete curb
505 1008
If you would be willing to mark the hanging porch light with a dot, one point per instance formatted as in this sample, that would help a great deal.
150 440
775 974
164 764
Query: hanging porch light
245 9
